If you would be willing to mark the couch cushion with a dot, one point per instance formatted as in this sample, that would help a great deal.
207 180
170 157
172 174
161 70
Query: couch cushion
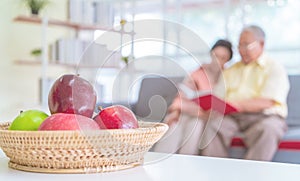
290 141
155 95
293 101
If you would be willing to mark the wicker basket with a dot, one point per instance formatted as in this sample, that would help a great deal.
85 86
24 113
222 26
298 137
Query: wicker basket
79 152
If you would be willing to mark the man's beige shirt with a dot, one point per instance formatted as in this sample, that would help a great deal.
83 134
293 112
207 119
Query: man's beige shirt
263 78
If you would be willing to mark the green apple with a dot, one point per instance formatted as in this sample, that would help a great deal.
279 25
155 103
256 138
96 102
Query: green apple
29 120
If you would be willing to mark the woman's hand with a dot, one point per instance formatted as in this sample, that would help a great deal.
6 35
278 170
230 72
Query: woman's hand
172 117
204 115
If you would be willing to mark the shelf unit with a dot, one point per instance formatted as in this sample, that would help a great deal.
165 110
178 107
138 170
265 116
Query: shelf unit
67 24
68 65
44 63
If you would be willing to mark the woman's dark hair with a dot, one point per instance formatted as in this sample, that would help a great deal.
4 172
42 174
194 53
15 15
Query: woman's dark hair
224 43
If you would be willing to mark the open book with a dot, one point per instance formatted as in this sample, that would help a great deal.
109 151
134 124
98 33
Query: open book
206 100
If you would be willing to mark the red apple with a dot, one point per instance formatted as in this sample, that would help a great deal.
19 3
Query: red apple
64 121
116 117
72 94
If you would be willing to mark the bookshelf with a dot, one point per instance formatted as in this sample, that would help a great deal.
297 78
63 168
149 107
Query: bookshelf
84 17
44 62
65 24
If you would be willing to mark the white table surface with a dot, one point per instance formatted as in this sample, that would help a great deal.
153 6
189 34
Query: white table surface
165 167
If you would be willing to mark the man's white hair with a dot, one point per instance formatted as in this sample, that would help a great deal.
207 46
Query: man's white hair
257 31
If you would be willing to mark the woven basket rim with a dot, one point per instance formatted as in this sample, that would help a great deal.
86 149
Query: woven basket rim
148 125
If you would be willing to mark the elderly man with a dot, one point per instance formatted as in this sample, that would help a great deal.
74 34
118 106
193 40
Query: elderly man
258 87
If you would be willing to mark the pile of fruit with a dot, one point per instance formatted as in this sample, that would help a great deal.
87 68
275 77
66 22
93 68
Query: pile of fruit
72 102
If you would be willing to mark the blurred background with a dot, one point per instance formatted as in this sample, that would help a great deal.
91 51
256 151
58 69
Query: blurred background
63 29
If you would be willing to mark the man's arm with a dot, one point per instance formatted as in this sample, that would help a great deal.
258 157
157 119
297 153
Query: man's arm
253 105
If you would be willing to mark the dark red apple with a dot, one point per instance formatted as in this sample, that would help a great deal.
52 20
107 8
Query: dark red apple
72 94
116 117
64 121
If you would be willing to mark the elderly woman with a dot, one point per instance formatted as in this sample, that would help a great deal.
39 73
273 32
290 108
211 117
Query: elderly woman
185 118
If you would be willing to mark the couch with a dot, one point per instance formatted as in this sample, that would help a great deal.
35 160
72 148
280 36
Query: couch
289 146
155 91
